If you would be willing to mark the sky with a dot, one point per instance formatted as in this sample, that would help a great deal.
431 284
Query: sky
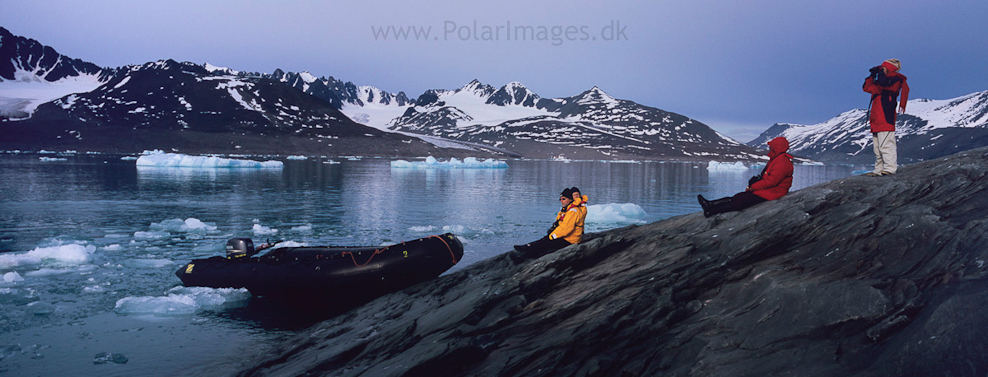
737 66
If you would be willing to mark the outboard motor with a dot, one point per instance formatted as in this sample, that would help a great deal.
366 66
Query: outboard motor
237 248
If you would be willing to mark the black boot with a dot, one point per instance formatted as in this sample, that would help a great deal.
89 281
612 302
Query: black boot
713 207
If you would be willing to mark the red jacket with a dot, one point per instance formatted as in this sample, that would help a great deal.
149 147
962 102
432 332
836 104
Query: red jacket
883 99
777 176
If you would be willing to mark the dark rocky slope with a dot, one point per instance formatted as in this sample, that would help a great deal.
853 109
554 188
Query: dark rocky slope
857 277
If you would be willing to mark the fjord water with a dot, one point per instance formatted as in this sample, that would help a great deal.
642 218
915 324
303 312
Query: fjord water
89 243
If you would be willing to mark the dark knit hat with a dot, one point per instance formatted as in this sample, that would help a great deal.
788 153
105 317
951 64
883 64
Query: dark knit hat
574 189
568 193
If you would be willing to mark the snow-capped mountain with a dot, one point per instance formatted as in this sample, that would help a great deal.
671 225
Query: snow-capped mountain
513 94
516 121
364 104
211 109
32 74
929 129
50 101
200 108
592 124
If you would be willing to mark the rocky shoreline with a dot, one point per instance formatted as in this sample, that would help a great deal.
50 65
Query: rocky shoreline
864 276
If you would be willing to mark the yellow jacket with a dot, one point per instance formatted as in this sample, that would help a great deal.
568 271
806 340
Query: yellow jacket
571 221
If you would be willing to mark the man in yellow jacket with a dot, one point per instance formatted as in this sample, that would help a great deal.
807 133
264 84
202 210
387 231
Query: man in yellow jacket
567 230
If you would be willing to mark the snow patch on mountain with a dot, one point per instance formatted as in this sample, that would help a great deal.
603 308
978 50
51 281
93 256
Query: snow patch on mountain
373 114
219 70
470 107
968 111
19 98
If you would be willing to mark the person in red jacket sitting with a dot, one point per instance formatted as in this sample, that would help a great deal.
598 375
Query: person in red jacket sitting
773 183
885 83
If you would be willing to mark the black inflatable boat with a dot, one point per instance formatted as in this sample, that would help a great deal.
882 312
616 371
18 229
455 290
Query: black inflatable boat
346 274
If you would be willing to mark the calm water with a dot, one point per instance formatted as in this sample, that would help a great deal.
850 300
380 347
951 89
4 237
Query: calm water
89 245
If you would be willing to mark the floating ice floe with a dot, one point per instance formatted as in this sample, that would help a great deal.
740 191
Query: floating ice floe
453 163
614 213
183 301
189 225
166 228
63 254
175 160
261 230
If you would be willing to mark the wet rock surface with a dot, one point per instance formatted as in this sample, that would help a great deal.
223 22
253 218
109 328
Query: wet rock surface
865 276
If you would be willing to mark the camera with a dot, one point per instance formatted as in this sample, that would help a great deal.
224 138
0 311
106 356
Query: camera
874 72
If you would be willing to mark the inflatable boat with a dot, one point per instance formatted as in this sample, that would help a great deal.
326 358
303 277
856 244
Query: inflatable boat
346 274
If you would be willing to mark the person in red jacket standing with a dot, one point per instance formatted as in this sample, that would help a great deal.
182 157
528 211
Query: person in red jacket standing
773 183
885 83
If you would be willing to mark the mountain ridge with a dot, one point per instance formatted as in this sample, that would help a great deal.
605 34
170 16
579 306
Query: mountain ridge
477 118
188 108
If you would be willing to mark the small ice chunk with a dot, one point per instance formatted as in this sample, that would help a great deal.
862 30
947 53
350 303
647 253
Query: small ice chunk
12 277
302 228
40 308
261 230
106 357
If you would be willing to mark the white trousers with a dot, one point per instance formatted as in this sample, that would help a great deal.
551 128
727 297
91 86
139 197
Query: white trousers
885 156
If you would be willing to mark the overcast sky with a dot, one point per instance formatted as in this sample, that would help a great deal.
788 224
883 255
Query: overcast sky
738 66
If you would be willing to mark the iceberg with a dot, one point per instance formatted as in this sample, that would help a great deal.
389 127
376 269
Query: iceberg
183 301
175 160
716 166
453 163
